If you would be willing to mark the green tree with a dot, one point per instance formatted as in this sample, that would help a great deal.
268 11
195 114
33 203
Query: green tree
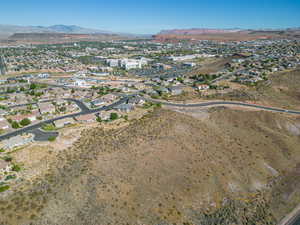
25 122
15 125
7 158
52 138
16 168
114 116
33 86
4 188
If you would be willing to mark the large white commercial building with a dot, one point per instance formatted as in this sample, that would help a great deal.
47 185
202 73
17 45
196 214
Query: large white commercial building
127 64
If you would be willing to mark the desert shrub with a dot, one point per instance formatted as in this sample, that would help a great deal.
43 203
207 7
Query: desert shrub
25 122
114 116
52 138
48 127
7 158
15 125
4 188
16 168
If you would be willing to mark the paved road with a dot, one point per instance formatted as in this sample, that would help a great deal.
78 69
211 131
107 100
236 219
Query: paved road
292 221
296 221
40 135
79 103
292 218
40 124
86 110
226 103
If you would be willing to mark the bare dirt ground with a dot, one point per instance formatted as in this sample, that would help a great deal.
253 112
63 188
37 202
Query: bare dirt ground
168 168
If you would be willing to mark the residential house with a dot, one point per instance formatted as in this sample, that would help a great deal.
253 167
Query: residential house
176 90
60 102
80 83
112 62
202 87
98 102
162 90
126 89
124 108
86 118
139 86
104 115
189 64
136 101
43 75
151 92
109 97
32 116
46 107
63 122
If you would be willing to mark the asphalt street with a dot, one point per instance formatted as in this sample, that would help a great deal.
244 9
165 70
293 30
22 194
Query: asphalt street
226 103
85 110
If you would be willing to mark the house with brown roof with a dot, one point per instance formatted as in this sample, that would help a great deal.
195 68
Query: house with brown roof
109 97
32 116
104 115
86 118
46 107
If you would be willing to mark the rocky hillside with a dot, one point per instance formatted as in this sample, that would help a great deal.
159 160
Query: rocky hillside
196 31
220 166
224 34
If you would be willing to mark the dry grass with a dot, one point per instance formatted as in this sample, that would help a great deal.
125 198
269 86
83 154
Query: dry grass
165 168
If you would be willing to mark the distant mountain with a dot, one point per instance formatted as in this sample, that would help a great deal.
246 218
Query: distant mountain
73 29
234 34
196 31
8 30
200 31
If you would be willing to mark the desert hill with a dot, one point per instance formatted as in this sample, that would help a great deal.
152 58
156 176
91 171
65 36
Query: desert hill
224 34
214 166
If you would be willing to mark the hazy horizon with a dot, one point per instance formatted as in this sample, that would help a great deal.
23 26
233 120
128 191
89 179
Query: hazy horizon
148 17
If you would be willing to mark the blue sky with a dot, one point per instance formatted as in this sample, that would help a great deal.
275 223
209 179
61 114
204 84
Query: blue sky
150 16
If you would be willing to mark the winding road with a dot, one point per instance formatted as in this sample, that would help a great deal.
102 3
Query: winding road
85 110
216 103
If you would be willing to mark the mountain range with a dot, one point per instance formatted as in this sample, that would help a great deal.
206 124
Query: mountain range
8 30
234 34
